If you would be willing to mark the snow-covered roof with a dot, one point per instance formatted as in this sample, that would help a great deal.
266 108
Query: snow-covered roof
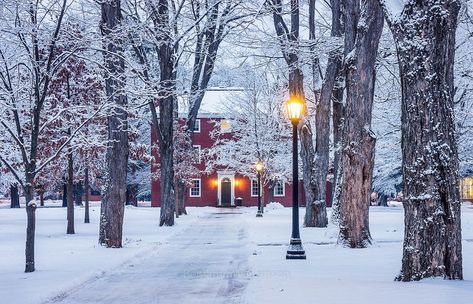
214 101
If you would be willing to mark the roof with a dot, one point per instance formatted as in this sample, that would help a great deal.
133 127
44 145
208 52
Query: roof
213 104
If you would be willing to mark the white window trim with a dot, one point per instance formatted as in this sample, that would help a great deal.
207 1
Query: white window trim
199 159
200 188
283 189
251 187
197 123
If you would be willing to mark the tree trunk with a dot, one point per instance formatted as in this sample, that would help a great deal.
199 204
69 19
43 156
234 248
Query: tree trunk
271 190
181 197
113 201
167 99
337 109
31 224
78 191
14 196
357 159
316 210
132 194
70 194
425 40
86 190
168 200
337 121
41 198
383 200
64 195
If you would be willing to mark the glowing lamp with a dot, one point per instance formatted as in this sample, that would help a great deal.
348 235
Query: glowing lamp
259 166
295 109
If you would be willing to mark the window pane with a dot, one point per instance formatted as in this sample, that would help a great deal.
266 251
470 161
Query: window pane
197 125
195 188
279 188
254 187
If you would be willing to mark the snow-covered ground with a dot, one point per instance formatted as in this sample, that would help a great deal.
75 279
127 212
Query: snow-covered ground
214 256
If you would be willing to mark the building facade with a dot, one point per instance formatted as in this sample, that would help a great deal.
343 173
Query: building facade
224 188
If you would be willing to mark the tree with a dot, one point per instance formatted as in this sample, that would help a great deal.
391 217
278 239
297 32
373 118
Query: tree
363 27
289 43
258 132
424 33
114 196
170 31
316 214
33 57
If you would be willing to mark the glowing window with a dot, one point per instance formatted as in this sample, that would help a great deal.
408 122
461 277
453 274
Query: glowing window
225 126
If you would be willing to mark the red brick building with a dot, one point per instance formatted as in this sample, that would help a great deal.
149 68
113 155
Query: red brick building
222 188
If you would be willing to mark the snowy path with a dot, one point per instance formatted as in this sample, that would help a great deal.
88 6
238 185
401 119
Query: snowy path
206 263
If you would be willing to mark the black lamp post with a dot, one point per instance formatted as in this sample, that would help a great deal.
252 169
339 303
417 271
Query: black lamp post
295 109
259 169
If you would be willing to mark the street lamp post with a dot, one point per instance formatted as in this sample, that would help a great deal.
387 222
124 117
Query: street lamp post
295 109
259 168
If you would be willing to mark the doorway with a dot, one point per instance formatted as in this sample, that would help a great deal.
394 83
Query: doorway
226 192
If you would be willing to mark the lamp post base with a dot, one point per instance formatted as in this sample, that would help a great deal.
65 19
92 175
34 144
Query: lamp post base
259 214
295 251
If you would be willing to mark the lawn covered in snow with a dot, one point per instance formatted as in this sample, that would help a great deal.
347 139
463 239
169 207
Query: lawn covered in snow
331 274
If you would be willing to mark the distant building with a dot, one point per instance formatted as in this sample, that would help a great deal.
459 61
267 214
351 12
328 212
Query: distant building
223 188
466 188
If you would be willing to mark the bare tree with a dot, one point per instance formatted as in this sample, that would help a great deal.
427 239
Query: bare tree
289 42
175 30
363 27
316 214
114 197
41 66
424 33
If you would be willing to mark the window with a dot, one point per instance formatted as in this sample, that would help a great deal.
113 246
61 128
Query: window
197 126
225 126
467 188
197 154
194 191
279 188
254 187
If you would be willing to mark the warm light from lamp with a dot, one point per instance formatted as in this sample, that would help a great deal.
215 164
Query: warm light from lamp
295 109
259 166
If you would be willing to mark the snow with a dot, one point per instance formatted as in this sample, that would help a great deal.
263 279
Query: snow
213 102
394 8
215 255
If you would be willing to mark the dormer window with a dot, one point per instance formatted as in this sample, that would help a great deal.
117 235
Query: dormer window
225 126
197 126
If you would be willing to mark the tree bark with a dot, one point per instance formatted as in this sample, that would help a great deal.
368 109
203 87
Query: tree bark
64 195
30 223
337 109
70 194
425 41
363 29
78 191
165 127
41 198
14 196
316 210
86 190
181 197
383 200
113 201
132 194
